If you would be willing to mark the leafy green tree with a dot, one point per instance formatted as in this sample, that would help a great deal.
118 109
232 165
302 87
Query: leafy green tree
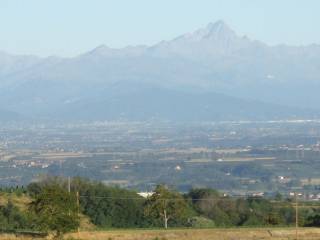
56 210
313 220
110 206
165 205
209 203
11 218
35 188
203 199
278 197
263 212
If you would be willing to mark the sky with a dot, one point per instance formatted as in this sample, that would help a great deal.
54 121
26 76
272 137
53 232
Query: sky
71 27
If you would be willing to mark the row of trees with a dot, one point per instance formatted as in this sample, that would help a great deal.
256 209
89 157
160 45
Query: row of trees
57 208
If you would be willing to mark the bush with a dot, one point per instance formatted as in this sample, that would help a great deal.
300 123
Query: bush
201 222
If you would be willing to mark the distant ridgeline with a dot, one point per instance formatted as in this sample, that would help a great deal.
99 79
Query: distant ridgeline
209 74
6 116
55 205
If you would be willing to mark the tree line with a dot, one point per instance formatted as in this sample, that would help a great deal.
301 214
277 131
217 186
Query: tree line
56 206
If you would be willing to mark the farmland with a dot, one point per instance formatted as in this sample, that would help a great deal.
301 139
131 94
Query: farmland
234 157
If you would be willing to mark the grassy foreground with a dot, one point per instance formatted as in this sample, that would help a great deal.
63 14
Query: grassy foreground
192 234
203 234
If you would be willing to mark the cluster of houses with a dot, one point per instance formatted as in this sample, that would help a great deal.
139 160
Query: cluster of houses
29 164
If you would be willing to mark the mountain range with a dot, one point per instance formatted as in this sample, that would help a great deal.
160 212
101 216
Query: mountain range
206 75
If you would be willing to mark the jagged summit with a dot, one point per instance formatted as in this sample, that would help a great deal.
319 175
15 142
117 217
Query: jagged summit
219 28
215 39
214 30
216 25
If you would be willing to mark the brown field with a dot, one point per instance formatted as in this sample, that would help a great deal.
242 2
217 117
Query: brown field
310 181
202 234
233 159
192 234
247 159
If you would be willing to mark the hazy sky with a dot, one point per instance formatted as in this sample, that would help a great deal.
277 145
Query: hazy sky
71 27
